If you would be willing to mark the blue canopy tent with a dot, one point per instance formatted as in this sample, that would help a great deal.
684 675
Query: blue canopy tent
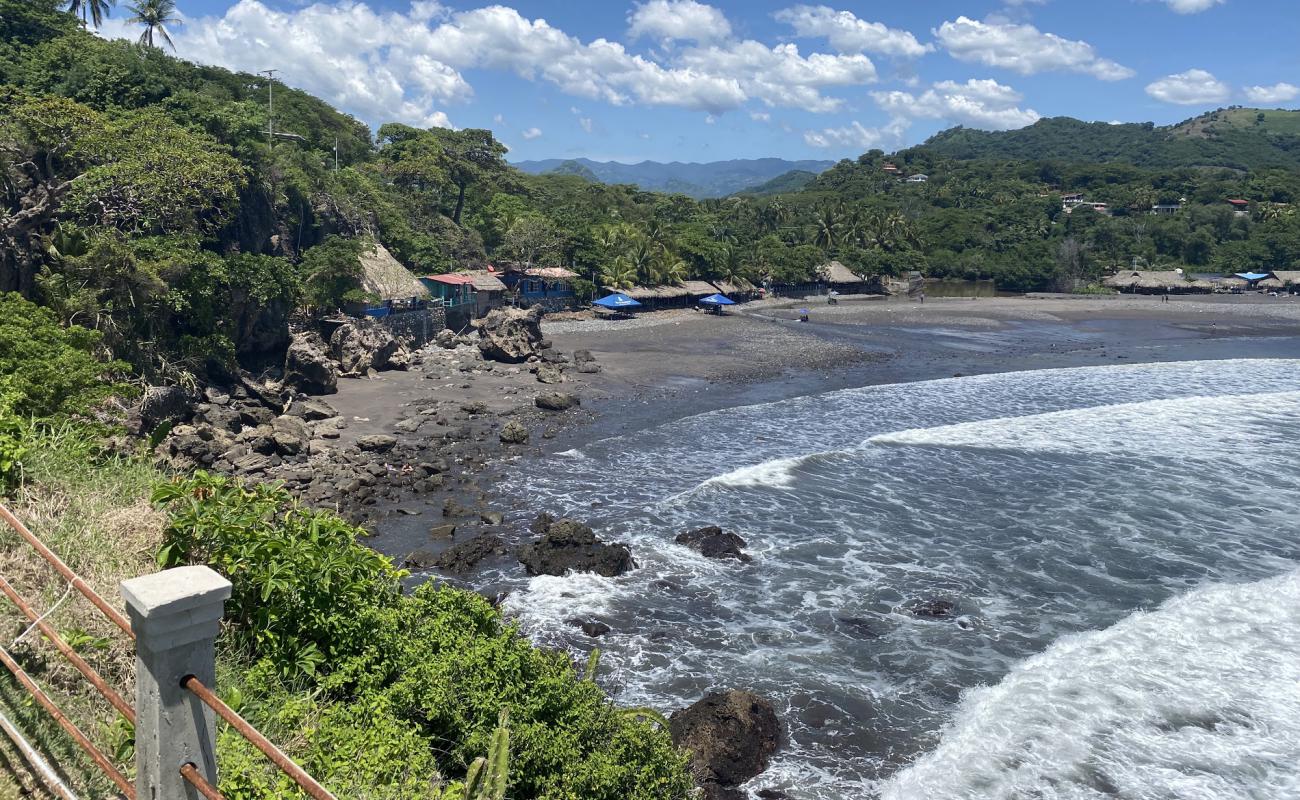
616 302
717 300
1253 277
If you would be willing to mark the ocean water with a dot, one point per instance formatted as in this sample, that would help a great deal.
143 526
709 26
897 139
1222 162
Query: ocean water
1121 543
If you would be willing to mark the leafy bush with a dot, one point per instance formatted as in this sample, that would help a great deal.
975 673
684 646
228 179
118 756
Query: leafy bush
14 447
321 613
48 370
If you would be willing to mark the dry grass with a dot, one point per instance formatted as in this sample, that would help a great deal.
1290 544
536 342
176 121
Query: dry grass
94 513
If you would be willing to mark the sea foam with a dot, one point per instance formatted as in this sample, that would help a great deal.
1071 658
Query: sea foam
1197 699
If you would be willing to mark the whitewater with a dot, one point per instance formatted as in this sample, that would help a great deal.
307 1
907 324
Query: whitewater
1118 543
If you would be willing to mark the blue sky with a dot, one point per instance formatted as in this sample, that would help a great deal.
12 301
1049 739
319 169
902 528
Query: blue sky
685 80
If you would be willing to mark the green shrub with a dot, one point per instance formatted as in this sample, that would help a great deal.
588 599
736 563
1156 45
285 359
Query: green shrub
48 370
14 447
324 615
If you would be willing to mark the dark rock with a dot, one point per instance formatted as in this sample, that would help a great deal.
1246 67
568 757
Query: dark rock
311 410
713 542
773 794
556 401
933 608
731 736
475 407
445 338
253 462
163 404
307 365
541 523
491 518
254 415
450 508
583 357
568 545
514 432
377 443
588 368
549 375
363 345
215 396
419 559
591 627
443 531
218 416
511 335
465 556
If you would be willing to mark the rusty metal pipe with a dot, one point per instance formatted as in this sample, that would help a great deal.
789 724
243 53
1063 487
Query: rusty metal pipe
72 730
85 669
63 569
307 782
191 773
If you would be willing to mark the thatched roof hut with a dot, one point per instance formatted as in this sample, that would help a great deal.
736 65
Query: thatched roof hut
1287 277
644 293
739 286
699 288
384 276
485 281
1154 281
836 274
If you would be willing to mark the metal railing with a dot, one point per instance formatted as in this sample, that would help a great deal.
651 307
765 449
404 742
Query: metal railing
188 771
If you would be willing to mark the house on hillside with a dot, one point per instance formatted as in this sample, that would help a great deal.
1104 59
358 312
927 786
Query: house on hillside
1157 282
489 290
1166 209
890 168
1069 201
918 178
1241 207
548 287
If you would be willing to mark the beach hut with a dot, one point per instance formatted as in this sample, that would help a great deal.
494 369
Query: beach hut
549 287
1157 282
489 290
390 285
738 289
842 279
660 296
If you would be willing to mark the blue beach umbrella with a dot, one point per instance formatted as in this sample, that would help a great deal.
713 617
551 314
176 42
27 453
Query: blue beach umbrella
616 300
1252 276
717 300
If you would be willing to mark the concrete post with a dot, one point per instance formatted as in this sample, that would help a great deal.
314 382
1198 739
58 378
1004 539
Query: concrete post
176 615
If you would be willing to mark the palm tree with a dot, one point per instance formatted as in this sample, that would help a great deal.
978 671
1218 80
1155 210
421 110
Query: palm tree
154 15
826 233
618 274
90 11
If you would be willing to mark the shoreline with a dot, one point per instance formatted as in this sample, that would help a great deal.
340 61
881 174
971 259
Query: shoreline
678 363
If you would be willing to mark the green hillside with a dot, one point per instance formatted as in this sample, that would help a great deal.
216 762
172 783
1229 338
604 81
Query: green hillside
792 181
1237 138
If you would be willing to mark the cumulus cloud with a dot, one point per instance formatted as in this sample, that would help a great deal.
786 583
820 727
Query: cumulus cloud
1277 93
531 133
386 65
678 19
983 104
855 135
1193 87
1192 6
848 34
1024 49
760 116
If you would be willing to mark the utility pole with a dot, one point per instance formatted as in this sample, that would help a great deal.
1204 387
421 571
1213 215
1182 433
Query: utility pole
336 153
270 105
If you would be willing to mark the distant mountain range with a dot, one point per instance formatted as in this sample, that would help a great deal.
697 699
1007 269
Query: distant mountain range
698 180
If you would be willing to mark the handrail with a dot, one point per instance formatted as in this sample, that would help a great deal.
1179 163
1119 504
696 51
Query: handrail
85 669
191 774
39 766
72 730
232 718
73 578
193 684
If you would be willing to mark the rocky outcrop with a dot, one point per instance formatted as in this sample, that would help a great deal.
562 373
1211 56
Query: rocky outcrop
569 546
446 339
713 542
514 432
308 367
933 608
377 443
511 335
362 345
556 401
462 558
162 404
730 735
549 374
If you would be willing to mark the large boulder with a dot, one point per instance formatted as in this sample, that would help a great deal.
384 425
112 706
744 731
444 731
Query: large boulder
556 401
713 542
162 404
569 546
730 735
308 367
362 345
511 335
464 557
514 432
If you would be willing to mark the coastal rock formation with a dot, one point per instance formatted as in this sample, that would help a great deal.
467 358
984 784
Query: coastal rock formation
446 339
377 443
511 335
548 374
162 404
463 557
362 345
556 401
731 736
307 366
514 432
568 545
933 608
713 542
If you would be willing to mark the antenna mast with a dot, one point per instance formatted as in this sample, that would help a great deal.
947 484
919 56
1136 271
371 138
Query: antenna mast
270 104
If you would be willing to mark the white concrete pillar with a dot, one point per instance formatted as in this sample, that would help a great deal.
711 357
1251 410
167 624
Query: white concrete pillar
176 615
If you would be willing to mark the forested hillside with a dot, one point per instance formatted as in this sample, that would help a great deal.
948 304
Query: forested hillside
698 180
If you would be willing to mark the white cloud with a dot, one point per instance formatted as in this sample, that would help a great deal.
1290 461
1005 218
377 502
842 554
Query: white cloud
780 76
1192 6
1024 49
857 135
499 118
678 19
848 34
1193 87
760 116
531 133
1277 93
978 103
585 123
